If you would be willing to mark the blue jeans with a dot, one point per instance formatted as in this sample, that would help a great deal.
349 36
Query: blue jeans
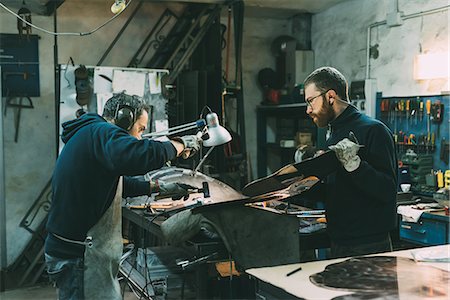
67 275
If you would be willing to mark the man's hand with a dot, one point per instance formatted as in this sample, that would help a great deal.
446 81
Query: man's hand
174 190
347 153
191 143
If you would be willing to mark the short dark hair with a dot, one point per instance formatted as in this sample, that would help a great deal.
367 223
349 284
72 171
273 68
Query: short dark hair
135 102
328 78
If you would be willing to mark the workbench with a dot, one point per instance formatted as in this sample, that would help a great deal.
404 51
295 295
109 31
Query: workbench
256 220
272 282
146 232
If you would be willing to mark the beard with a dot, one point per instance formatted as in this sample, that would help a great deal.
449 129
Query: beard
324 116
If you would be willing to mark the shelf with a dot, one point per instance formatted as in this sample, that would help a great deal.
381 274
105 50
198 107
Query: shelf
281 106
281 122
277 146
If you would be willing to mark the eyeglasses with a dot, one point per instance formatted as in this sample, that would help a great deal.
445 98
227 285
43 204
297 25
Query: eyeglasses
309 101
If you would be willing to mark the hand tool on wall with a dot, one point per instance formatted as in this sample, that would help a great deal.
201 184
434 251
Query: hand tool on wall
436 114
440 179
392 110
401 111
420 110
384 107
395 112
445 150
408 102
428 107
433 140
413 107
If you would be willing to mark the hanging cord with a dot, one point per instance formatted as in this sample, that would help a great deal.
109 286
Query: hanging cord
64 33
228 44
202 113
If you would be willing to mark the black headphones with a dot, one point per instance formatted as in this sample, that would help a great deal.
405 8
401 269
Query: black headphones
125 116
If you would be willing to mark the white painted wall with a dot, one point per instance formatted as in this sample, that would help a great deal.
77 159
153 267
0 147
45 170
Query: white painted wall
339 37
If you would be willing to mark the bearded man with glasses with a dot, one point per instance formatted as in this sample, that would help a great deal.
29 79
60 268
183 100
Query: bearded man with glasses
360 197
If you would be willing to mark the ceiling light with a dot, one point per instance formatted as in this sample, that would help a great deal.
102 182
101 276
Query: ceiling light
118 6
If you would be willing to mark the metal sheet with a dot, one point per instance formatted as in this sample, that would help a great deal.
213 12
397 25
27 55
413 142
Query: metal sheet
319 167
219 191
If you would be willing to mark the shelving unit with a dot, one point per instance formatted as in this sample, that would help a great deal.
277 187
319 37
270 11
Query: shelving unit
280 123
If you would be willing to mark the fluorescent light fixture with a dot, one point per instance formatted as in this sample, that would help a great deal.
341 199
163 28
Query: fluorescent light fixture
431 66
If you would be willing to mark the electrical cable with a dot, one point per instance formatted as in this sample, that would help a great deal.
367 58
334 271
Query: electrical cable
64 33
202 116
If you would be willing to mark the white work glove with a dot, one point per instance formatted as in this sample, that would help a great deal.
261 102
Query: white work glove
347 153
191 143
173 190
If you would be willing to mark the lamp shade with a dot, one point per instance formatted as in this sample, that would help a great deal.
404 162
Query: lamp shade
218 135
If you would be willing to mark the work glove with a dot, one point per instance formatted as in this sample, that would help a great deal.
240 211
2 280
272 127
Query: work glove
347 153
191 143
174 190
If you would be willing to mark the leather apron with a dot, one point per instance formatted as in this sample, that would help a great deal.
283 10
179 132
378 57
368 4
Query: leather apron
102 256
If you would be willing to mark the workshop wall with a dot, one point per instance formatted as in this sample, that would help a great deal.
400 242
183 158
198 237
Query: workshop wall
89 49
259 33
29 162
339 37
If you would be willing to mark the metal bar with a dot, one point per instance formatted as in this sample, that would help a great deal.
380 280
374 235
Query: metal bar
156 41
3 261
17 121
119 34
180 45
203 159
173 75
33 263
57 73
43 201
167 13
176 129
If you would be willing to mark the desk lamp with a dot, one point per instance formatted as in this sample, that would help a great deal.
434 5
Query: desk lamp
218 135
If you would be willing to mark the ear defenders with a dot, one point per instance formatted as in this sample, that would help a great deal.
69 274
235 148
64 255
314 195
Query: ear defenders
125 116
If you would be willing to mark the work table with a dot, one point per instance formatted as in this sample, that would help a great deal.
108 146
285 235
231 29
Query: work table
273 283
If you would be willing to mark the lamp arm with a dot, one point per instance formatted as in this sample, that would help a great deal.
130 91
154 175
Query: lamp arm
203 159
177 129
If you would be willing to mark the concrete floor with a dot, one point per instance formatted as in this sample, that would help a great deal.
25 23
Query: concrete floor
43 292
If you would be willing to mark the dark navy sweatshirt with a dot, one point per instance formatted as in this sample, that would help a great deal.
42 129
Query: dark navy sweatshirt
96 153
361 205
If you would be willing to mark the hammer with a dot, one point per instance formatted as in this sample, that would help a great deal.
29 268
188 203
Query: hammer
204 190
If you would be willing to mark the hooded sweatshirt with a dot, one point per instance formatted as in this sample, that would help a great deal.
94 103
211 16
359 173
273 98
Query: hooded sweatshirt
86 175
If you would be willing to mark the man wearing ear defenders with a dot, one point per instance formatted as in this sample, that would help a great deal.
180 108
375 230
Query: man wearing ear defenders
92 174
360 197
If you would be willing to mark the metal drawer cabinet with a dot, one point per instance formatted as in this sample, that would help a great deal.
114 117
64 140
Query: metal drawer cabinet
425 232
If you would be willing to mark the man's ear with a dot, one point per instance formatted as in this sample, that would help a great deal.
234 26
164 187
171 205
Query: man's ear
331 97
